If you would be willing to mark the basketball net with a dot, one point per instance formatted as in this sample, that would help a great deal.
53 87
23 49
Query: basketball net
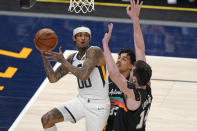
83 6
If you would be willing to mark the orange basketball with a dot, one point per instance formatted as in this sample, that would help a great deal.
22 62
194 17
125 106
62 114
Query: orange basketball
45 39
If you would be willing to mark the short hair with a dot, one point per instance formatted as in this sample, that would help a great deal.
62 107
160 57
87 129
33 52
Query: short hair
130 52
142 72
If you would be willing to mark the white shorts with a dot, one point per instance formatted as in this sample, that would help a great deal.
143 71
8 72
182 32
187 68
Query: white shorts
95 111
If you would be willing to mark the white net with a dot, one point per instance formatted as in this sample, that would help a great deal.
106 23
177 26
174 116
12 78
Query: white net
83 6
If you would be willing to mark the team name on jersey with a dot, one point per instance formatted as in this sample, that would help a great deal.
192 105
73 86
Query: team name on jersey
115 92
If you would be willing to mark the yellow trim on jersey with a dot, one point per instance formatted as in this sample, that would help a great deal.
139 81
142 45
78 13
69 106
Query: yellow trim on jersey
104 72
104 129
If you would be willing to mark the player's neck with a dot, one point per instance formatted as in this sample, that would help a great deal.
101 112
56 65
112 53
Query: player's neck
81 52
126 74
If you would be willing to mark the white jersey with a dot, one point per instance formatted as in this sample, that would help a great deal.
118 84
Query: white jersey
95 87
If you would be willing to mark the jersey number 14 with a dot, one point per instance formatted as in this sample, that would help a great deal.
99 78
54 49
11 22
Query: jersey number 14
143 117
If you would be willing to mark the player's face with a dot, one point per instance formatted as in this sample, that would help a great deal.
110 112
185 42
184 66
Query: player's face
82 39
124 63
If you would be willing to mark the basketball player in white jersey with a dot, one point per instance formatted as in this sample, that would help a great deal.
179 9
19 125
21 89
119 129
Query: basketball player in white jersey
88 65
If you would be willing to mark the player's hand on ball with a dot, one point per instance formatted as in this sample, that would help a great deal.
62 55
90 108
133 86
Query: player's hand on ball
55 56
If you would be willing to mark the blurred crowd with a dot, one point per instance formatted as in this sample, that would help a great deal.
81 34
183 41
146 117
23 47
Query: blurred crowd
175 1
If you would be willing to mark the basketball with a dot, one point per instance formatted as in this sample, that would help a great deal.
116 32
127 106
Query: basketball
45 39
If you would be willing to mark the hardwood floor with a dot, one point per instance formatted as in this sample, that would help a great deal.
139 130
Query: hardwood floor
174 88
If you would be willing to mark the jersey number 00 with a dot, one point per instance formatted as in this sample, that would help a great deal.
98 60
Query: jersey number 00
84 84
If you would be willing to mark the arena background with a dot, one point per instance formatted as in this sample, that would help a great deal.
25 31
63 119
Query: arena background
169 30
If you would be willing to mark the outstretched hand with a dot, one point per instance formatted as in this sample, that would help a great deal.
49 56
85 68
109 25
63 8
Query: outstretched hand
107 36
55 56
133 11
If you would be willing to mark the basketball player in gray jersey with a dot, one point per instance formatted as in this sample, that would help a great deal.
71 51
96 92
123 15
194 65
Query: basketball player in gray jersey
88 65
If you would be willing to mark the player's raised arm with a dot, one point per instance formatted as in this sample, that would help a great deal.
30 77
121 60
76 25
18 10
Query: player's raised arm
114 73
133 12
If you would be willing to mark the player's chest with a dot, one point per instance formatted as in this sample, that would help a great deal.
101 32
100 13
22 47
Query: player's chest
78 63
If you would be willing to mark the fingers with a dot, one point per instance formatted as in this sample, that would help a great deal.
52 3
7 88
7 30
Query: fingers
43 53
134 4
128 8
140 6
110 25
141 3
54 53
131 2
54 56
51 58
107 36
51 53
60 49
137 2
110 28
135 8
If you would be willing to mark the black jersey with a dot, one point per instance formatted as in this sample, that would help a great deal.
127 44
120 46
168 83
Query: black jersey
116 97
134 120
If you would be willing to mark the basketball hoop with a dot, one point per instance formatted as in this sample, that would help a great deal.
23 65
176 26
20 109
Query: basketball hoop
83 6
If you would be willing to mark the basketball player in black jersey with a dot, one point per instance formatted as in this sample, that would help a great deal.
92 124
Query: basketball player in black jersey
137 95
125 62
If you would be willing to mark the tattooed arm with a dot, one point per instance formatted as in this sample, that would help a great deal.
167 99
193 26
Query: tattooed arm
93 56
52 75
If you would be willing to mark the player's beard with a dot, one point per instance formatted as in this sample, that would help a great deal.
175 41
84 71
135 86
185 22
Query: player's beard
84 48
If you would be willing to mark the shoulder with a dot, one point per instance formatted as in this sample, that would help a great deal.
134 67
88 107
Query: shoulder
94 51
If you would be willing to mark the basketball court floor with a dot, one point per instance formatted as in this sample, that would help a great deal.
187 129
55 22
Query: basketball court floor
26 94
